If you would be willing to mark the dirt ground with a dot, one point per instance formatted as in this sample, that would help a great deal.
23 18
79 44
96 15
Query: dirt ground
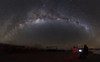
46 57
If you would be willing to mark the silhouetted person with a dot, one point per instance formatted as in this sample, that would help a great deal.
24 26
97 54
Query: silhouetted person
85 49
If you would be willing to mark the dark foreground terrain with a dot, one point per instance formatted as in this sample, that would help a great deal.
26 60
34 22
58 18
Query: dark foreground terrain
46 57
13 53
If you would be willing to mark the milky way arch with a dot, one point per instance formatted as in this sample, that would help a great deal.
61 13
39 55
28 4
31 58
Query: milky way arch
43 17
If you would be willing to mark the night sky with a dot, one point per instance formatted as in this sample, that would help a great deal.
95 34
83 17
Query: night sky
61 23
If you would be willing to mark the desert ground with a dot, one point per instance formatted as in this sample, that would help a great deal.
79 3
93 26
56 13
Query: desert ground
46 57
